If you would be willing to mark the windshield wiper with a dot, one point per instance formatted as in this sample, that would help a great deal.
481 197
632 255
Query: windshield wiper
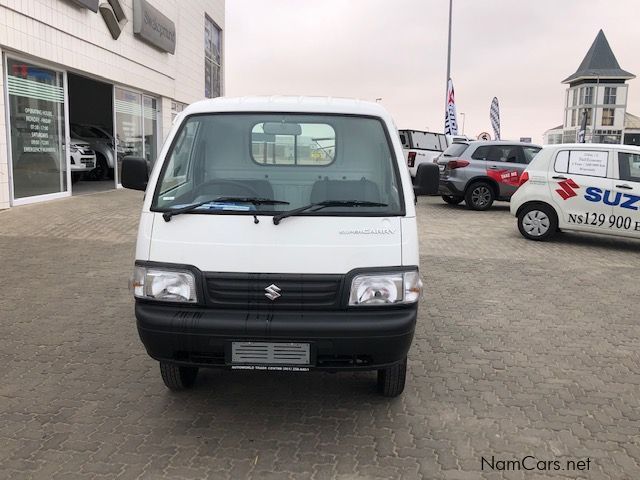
253 200
327 203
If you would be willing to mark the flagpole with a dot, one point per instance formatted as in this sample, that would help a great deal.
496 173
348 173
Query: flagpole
448 55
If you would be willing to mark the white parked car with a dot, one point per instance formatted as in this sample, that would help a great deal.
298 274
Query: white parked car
278 234
83 158
584 187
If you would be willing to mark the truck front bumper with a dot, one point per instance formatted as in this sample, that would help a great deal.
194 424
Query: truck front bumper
356 339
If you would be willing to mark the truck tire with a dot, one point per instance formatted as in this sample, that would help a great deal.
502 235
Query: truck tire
479 196
101 171
178 378
391 380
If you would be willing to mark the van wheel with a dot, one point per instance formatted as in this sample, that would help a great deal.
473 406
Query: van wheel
176 377
452 200
479 196
391 379
537 222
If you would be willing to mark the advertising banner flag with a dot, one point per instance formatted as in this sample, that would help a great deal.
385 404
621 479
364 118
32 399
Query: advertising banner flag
583 127
450 120
494 116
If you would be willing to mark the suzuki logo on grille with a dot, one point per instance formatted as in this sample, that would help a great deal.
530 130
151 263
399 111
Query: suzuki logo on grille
273 292
566 189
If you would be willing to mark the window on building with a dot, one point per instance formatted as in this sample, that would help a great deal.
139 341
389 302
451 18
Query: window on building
574 112
610 96
212 59
581 113
176 108
575 97
608 115
586 95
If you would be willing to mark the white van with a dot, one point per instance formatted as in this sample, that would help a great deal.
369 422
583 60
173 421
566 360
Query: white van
278 234
586 187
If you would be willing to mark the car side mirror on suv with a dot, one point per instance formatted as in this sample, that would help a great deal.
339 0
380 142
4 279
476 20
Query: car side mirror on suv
135 173
427 179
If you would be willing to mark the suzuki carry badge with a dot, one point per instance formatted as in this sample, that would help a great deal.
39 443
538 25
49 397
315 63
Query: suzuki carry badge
278 234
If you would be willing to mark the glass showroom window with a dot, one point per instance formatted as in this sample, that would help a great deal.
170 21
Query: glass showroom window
212 59
608 115
609 96
36 115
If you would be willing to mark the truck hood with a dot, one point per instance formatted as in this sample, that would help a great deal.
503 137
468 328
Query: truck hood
311 244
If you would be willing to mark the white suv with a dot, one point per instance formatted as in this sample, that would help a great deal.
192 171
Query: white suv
586 187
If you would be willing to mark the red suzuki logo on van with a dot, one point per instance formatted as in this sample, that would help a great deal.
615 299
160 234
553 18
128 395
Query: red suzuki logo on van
566 189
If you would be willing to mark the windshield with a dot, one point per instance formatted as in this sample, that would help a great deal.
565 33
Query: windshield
294 159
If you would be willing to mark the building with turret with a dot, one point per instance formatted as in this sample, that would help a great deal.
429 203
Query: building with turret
598 88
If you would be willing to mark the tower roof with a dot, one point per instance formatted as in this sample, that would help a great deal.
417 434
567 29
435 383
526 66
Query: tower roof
599 62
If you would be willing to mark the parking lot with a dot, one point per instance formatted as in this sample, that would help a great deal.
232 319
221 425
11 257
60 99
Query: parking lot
522 349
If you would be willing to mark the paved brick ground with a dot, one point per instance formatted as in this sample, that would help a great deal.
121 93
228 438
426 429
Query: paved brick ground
522 349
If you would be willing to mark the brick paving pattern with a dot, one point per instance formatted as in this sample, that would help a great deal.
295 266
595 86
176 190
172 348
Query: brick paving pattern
522 349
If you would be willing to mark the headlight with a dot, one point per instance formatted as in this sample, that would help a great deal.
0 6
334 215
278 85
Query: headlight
386 288
164 285
73 148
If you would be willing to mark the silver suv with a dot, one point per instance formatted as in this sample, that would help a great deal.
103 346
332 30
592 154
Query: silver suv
481 172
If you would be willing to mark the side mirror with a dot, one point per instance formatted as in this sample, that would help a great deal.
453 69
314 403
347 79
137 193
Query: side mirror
427 180
135 173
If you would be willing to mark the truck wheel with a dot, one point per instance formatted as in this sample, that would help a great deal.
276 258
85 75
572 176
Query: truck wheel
452 200
479 196
102 168
391 379
176 377
537 221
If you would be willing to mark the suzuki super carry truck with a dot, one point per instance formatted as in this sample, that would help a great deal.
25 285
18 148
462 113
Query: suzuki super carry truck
278 234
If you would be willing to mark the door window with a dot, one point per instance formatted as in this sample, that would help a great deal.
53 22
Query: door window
36 113
504 153
629 166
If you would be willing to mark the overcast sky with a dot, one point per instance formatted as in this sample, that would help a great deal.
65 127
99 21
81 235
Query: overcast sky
517 50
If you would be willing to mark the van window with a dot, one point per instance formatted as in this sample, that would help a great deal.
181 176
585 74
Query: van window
629 166
592 163
318 158
314 144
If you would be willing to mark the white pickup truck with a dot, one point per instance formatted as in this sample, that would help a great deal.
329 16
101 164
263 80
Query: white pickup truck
422 147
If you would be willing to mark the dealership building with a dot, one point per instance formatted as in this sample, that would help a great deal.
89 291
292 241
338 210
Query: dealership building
86 82
597 96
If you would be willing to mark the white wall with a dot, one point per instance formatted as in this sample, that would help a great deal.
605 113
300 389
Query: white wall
77 39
